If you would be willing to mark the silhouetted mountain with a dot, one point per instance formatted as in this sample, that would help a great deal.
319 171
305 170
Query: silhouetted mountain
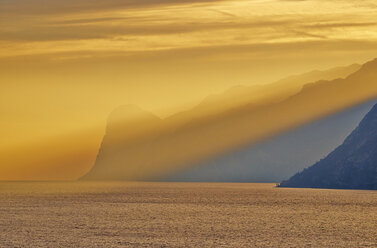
191 137
353 165
276 158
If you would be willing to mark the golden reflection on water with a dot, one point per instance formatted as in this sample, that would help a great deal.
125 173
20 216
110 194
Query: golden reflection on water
128 214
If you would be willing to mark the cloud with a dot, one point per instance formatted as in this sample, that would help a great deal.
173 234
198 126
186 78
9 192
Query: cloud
134 26
226 13
276 50
339 25
102 29
307 34
72 6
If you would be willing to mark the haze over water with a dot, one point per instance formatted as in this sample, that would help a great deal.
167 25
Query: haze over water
138 214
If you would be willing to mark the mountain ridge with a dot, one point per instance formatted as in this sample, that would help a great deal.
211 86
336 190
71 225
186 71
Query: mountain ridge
277 158
186 139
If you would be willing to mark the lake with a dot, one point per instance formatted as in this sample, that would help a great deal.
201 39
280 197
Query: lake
142 214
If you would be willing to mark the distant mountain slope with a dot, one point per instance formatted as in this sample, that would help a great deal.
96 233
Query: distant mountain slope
277 158
188 138
353 165
260 94
128 124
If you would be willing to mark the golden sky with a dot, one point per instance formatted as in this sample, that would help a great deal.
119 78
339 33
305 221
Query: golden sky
65 65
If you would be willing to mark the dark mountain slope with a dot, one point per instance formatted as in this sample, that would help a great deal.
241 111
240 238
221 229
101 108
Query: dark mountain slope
353 165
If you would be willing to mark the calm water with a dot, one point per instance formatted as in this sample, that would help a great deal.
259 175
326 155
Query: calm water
184 215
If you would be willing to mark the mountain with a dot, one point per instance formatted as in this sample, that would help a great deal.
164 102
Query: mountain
352 165
190 137
241 95
128 123
276 158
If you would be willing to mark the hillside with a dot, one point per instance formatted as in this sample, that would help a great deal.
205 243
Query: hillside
352 165
278 157
188 137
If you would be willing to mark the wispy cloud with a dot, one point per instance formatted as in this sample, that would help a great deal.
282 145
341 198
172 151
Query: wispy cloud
62 26
74 6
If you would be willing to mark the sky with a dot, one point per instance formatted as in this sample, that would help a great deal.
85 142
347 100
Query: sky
65 65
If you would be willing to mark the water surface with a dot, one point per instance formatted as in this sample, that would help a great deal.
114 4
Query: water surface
127 214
